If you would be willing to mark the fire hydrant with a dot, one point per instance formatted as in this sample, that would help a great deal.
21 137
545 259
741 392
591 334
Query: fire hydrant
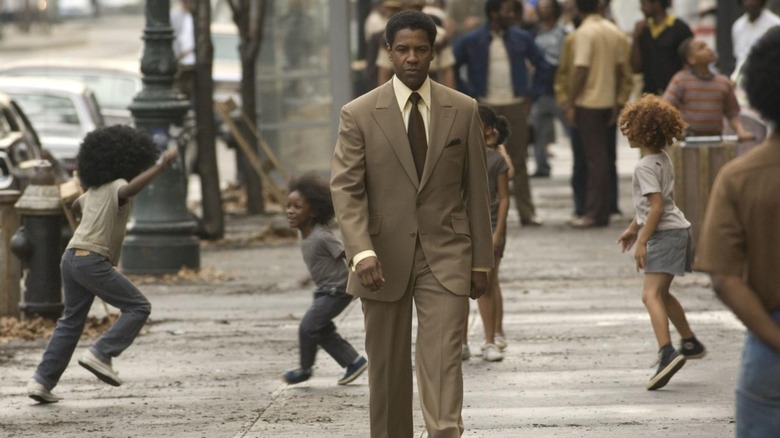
39 243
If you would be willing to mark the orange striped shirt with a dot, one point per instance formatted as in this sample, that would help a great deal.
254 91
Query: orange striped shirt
703 102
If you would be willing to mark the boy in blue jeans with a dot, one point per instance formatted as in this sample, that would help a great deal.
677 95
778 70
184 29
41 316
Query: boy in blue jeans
114 164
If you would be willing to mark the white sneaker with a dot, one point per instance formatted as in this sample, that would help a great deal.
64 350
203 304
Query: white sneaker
465 353
39 393
102 370
500 342
491 353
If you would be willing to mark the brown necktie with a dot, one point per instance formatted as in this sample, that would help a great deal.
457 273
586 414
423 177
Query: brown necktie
416 133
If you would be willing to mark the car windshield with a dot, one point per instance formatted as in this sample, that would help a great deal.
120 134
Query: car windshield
50 115
112 92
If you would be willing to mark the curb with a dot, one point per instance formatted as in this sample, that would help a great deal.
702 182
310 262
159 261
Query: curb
62 35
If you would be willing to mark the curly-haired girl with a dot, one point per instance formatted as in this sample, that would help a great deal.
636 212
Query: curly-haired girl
114 164
660 230
310 209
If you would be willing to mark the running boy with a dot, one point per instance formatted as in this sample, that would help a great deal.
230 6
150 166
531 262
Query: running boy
114 164
659 229
310 209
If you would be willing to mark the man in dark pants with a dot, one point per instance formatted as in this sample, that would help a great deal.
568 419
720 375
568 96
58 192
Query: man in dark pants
599 59
495 57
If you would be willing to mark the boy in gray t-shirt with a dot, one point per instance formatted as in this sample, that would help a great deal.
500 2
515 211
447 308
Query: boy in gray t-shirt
310 209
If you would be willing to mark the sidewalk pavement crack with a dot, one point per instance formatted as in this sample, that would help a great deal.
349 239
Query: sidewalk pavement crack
247 427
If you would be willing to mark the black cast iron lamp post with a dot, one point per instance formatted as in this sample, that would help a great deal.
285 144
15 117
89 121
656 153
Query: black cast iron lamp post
161 232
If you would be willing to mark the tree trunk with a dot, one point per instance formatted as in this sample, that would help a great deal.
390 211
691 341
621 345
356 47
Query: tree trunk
255 203
212 225
249 16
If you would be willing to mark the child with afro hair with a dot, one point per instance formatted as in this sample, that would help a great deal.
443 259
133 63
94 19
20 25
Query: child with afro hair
114 164
659 229
310 210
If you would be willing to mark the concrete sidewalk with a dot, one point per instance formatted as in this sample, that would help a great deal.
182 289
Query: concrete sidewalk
40 36
580 349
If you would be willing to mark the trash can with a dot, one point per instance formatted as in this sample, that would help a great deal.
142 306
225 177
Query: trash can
696 162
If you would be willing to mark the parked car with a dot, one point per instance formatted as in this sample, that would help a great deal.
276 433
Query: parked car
114 84
62 112
20 148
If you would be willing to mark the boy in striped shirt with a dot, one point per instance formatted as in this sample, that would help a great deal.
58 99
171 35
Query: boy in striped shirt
703 97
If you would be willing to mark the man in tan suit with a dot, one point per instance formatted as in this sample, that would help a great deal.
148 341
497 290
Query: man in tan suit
415 221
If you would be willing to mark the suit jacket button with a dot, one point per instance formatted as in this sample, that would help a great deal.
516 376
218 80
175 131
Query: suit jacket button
412 235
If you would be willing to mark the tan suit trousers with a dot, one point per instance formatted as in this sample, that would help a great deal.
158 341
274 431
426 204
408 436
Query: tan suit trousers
441 316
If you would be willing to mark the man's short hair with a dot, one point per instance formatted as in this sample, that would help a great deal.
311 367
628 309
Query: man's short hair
762 69
414 20
684 49
588 6
493 6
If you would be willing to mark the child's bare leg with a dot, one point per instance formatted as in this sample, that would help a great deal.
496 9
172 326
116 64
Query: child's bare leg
677 316
656 286
487 309
499 308
499 300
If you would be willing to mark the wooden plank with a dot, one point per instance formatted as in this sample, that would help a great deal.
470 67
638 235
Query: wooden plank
275 193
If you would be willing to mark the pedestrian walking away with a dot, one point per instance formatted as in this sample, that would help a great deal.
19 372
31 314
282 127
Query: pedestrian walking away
113 164
310 210
549 37
409 185
659 229
738 248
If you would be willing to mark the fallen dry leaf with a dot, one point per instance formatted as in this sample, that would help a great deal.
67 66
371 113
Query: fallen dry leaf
185 275
36 328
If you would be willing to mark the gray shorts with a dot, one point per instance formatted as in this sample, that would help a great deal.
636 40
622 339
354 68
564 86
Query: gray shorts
670 252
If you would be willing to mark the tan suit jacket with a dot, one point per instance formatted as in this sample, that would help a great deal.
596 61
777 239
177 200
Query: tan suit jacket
382 206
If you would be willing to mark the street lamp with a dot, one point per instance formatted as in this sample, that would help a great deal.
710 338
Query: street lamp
161 232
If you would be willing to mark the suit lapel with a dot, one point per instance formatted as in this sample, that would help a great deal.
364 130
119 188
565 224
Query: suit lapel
390 121
442 118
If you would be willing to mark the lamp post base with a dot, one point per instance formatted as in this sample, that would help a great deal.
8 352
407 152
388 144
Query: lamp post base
159 254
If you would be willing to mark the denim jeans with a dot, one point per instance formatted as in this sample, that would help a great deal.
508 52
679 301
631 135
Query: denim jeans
758 389
83 278
544 112
317 329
